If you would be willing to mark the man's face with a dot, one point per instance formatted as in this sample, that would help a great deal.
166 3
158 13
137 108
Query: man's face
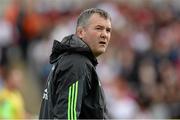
97 34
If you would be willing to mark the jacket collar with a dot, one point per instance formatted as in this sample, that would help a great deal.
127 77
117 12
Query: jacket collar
71 44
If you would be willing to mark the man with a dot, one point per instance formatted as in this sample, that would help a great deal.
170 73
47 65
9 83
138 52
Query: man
73 89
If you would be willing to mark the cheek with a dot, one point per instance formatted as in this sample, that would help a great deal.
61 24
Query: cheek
109 37
93 33
91 36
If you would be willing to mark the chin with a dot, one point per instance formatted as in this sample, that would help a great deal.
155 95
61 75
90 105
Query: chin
98 53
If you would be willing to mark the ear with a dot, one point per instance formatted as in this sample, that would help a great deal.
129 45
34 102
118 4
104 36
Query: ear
80 32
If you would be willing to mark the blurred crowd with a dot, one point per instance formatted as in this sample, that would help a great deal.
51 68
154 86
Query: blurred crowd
140 72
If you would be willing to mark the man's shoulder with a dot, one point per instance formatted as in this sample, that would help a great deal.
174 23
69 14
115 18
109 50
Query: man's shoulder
77 59
74 61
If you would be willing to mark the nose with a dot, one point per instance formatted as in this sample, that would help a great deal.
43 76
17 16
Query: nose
104 34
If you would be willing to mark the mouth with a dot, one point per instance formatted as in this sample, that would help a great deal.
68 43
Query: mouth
102 43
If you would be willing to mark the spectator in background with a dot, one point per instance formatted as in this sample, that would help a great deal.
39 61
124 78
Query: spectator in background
1 80
11 100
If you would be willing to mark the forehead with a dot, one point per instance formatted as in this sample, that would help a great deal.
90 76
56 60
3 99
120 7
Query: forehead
96 19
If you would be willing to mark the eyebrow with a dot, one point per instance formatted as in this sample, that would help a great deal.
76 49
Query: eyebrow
103 26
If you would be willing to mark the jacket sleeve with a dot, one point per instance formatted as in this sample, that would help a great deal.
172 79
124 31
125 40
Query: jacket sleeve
72 85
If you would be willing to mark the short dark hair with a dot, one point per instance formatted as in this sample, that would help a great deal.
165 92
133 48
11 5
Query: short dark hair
86 14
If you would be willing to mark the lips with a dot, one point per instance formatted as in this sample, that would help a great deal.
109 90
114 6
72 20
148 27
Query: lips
102 42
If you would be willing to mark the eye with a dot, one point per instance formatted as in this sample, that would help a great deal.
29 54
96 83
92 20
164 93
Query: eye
108 30
98 28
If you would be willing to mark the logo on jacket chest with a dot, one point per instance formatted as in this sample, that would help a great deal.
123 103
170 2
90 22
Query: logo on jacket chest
45 94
